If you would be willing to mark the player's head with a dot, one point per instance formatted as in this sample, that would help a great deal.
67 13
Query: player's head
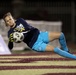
9 20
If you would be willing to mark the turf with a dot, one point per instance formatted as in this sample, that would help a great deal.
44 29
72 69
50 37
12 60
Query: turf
34 63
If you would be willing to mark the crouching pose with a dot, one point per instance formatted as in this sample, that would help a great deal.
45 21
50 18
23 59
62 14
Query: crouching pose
37 40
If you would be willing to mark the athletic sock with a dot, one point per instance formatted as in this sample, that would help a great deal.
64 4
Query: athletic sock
62 42
64 53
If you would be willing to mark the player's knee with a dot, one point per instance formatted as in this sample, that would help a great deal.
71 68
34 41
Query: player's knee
61 35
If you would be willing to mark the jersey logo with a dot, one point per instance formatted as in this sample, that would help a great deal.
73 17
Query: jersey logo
20 28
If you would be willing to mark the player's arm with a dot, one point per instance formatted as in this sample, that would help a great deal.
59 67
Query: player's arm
11 40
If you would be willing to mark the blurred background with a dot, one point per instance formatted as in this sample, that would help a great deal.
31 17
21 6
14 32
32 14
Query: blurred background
58 10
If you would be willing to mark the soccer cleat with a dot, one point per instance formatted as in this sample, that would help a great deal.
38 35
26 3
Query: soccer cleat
68 51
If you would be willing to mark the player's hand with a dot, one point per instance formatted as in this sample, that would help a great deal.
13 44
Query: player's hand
11 39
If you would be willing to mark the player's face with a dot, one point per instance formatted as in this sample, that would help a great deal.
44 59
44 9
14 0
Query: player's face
9 21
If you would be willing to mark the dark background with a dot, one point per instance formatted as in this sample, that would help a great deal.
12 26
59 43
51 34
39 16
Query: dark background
53 10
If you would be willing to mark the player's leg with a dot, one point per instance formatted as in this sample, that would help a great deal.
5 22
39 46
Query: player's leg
61 37
60 52
41 46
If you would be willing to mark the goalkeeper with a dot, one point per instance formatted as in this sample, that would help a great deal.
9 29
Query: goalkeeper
35 39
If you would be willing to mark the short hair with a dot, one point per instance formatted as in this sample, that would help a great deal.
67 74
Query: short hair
7 14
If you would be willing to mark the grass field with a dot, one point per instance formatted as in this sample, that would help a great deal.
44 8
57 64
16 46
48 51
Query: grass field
34 63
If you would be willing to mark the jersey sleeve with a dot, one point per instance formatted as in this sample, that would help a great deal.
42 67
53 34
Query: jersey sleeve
10 45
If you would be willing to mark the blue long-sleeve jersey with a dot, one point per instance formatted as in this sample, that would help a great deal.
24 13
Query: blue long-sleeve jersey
22 26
